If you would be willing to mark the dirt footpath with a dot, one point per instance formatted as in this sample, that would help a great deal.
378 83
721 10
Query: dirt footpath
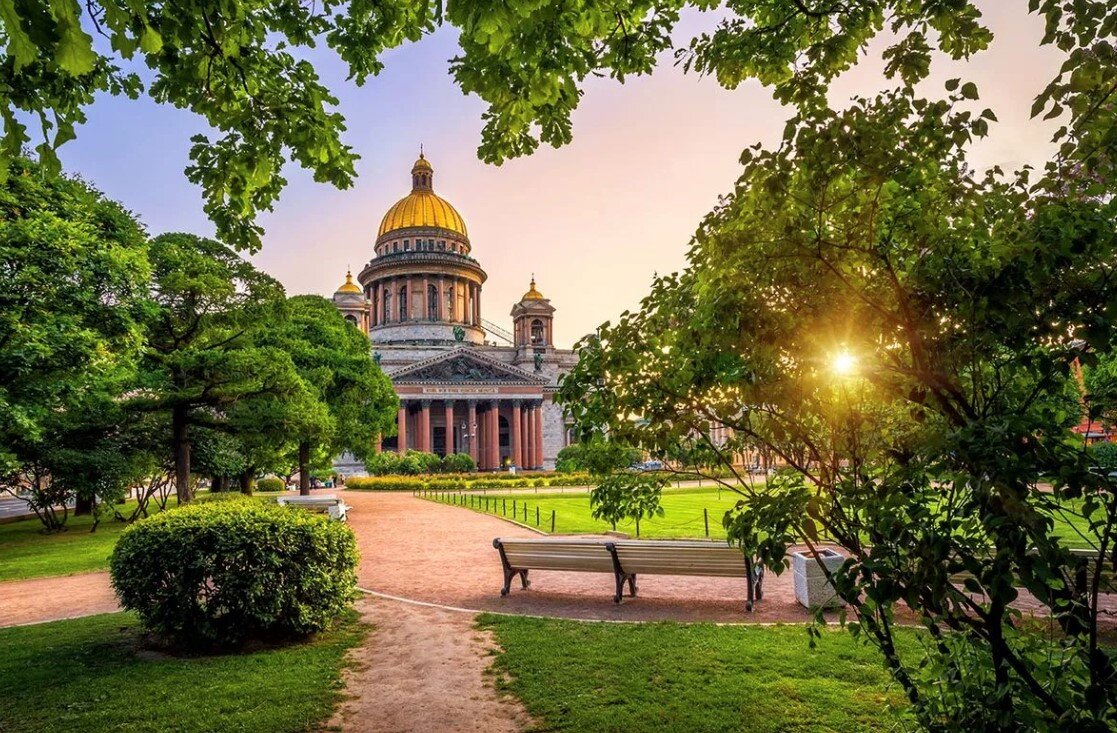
423 669
53 599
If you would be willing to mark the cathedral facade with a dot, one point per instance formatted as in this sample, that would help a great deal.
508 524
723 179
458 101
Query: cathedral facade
466 385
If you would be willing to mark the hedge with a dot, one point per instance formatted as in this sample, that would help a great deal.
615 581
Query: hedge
466 482
270 483
215 574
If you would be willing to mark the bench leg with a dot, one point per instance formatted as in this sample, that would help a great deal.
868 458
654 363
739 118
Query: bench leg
632 585
509 573
619 578
524 582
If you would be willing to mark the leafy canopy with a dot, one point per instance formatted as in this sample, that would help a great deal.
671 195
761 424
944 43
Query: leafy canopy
958 305
242 66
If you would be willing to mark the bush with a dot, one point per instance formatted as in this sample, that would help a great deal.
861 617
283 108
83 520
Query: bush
466 481
1104 455
271 483
458 463
215 574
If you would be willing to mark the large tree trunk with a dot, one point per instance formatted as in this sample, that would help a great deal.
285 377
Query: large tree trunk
304 468
83 505
248 481
180 446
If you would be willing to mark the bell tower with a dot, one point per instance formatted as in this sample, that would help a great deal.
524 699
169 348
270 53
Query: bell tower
533 325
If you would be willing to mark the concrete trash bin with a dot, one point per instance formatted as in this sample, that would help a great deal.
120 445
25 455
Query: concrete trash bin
812 589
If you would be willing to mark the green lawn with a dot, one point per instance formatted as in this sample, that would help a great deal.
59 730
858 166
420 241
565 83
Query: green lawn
682 512
89 675
692 678
25 552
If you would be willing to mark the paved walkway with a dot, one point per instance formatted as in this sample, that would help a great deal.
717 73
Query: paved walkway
52 599
423 669
441 554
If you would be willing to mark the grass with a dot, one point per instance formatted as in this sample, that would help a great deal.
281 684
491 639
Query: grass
90 675
682 513
26 552
692 678
683 517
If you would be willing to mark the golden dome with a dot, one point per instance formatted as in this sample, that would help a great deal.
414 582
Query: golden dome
532 294
422 208
349 286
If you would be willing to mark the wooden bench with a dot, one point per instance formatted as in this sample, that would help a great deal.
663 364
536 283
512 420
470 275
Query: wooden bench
331 505
1083 574
626 559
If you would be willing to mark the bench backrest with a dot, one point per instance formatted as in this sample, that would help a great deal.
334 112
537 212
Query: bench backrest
310 500
567 553
673 557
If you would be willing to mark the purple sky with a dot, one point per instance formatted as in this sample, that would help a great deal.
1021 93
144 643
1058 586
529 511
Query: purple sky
594 220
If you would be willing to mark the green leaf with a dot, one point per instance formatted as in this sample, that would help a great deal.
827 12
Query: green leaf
969 90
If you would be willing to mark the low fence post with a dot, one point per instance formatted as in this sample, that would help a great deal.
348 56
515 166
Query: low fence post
504 507
706 520
536 515
552 521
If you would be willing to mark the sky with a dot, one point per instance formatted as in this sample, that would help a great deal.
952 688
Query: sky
593 220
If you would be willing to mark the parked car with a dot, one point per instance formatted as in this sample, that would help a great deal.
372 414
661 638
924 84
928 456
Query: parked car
648 466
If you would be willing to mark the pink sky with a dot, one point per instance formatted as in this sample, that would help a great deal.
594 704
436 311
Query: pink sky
593 220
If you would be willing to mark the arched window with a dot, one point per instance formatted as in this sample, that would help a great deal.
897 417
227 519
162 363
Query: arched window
538 332
387 306
403 303
449 304
352 319
432 303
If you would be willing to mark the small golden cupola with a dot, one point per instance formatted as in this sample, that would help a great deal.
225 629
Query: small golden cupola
532 293
349 286
533 321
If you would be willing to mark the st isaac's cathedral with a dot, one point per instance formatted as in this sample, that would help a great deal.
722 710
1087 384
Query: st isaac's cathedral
465 385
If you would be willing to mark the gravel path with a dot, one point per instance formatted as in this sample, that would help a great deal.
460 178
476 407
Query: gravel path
423 669
440 554
52 599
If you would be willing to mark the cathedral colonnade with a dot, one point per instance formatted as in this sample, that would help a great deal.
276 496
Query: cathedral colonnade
496 432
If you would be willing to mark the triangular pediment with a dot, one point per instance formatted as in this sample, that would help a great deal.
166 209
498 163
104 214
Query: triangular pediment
463 366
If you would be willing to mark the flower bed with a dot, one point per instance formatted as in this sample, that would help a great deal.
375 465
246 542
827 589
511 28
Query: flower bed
466 482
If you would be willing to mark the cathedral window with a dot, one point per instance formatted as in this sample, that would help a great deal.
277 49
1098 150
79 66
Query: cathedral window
403 303
537 332
407 245
395 246
432 303
449 304
387 306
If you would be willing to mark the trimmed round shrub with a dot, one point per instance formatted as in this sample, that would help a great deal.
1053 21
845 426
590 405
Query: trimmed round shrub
458 463
270 483
214 575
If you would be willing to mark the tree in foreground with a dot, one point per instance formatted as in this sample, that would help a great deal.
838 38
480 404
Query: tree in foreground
200 358
902 332
73 270
333 358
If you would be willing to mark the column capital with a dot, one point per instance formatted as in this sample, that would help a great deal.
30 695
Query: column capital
425 404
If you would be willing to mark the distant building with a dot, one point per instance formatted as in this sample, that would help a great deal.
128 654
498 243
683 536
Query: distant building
465 384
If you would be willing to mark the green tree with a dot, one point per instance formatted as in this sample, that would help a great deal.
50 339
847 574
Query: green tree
73 274
201 357
900 330
239 67
335 360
